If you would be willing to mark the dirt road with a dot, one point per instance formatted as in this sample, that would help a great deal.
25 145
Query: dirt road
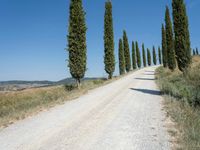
124 115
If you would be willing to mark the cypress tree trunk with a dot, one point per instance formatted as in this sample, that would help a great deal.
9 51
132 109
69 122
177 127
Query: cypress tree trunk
164 47
182 35
159 55
121 58
133 56
126 52
138 55
170 41
77 41
109 58
144 56
154 56
149 57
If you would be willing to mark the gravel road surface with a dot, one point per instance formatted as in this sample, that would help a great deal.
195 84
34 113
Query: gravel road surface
124 115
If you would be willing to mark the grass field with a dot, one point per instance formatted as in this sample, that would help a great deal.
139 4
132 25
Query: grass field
182 102
20 104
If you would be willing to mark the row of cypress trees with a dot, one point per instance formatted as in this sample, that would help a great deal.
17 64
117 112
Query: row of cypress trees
195 51
77 47
176 47
125 59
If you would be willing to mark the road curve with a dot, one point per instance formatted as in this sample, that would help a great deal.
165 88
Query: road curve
124 115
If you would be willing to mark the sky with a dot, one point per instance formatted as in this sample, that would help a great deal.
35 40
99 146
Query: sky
33 34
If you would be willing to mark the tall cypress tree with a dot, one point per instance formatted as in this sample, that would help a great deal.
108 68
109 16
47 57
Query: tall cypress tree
194 52
154 56
144 56
133 56
170 41
138 55
121 58
182 35
159 55
164 47
77 41
109 58
197 51
126 52
149 57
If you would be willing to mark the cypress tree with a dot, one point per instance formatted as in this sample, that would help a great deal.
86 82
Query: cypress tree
144 56
159 55
182 35
170 41
133 56
194 52
77 41
138 55
149 57
121 58
164 47
154 56
109 58
126 52
197 51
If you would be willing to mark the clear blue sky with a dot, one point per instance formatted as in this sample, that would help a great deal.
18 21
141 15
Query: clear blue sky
33 34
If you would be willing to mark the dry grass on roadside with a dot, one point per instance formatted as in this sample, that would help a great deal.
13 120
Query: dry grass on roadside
182 103
18 105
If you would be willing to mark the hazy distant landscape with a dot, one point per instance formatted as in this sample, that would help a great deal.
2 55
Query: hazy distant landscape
17 85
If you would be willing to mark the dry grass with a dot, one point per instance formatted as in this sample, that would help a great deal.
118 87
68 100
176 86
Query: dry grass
182 103
21 104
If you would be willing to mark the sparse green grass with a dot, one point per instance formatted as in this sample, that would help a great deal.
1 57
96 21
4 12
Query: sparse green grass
18 105
182 94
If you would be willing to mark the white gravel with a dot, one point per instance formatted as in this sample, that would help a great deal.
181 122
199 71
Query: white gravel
124 115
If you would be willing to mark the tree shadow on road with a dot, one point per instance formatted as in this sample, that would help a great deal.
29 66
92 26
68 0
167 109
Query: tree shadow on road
144 79
147 91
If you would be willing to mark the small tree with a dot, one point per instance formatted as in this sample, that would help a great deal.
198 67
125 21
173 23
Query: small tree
144 56
159 55
133 56
194 52
109 58
149 57
126 52
197 51
121 58
154 56
138 55
77 41
164 47
170 41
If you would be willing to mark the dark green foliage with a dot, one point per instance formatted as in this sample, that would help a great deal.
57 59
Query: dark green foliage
194 52
164 47
77 40
144 56
159 55
169 41
138 55
197 51
121 58
154 56
133 56
109 58
149 57
182 35
126 52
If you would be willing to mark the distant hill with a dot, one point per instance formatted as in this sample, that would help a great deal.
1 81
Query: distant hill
16 85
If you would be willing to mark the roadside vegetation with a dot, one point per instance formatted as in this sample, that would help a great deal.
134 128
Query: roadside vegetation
21 104
182 94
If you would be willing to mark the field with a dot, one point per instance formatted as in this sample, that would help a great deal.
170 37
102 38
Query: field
182 102
16 105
